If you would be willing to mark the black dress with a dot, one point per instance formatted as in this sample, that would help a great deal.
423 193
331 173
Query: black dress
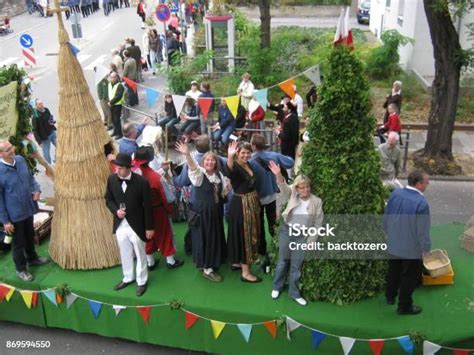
208 246
244 216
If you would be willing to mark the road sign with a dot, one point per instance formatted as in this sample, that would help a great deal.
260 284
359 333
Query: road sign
26 40
29 56
174 9
163 12
75 18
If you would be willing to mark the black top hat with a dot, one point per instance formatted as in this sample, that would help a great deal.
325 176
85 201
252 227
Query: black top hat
123 159
144 154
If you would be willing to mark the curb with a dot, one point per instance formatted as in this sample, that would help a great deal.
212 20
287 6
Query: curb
458 178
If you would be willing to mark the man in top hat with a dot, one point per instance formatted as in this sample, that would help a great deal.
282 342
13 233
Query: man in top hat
128 198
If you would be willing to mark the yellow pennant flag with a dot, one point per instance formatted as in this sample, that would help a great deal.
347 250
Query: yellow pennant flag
233 104
27 297
217 328
288 87
10 294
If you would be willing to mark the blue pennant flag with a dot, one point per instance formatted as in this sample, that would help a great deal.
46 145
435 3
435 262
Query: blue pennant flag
51 295
317 338
73 49
406 344
151 96
245 329
95 307
262 97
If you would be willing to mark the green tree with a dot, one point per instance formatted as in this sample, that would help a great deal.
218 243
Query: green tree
343 166
450 58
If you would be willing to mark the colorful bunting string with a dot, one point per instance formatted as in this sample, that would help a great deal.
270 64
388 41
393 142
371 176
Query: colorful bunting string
217 328
246 330
376 346
271 327
191 319
205 106
95 307
406 344
51 296
151 96
118 309
288 87
317 338
145 313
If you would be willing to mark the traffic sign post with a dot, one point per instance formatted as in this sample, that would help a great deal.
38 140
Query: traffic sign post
26 41
163 14
76 26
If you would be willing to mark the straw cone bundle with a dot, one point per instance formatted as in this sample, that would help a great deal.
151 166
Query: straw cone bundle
82 225
469 223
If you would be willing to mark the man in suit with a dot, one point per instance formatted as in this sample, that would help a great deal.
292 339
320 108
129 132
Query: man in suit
128 197
407 224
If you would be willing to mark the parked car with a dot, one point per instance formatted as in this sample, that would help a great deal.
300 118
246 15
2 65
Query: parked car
363 12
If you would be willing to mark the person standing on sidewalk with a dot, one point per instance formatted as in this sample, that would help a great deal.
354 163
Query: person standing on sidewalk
102 93
44 128
19 193
116 97
141 12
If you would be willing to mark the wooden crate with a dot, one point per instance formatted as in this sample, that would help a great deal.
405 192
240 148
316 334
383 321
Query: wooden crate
447 279
44 230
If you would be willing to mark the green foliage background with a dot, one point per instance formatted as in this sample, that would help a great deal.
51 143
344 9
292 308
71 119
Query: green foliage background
343 166
23 127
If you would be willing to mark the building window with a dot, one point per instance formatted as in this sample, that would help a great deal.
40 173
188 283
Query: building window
388 3
401 10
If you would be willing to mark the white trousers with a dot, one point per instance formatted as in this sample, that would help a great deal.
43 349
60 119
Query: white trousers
129 242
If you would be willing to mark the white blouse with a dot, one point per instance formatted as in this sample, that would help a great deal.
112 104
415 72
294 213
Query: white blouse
197 176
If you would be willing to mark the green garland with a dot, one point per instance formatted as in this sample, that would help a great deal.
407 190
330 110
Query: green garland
23 127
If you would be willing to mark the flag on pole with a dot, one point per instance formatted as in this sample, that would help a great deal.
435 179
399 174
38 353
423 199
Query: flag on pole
343 32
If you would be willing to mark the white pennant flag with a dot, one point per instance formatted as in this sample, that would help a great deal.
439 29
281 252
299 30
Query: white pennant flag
100 73
291 325
70 299
118 309
178 101
347 344
430 348
313 74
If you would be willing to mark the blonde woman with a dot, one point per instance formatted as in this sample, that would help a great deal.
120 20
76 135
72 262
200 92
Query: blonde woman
245 90
305 209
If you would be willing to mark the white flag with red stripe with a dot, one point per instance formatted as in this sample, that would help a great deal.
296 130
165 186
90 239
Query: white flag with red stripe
343 32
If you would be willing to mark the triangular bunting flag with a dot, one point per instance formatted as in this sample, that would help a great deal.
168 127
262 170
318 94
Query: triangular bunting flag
34 300
27 297
73 49
262 97
145 313
118 309
100 73
271 327
376 345
288 86
178 101
313 74
70 299
95 307
246 330
291 325
205 105
461 352
130 83
190 318
406 344
217 328
151 96
233 104
10 294
430 348
3 291
347 344
51 296
317 338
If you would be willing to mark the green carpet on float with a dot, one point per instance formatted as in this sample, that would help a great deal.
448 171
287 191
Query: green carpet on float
447 317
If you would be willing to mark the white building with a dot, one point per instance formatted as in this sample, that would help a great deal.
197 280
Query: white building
409 19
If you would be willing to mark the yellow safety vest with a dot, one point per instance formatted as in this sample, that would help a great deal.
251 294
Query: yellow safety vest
112 90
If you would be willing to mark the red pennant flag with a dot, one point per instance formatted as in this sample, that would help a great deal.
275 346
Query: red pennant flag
131 84
461 352
271 327
376 346
3 292
190 319
145 313
34 299
204 106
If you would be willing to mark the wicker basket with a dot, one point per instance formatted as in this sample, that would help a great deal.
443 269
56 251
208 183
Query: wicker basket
467 240
437 263
44 229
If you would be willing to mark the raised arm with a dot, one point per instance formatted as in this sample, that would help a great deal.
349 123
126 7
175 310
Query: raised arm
231 151
183 149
